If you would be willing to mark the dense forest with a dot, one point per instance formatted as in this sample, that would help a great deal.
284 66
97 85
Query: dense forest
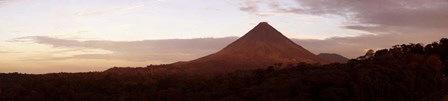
405 72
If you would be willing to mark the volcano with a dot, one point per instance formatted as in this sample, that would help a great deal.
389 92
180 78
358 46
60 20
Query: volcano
261 47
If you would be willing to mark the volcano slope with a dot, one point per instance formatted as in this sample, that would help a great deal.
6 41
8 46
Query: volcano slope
261 47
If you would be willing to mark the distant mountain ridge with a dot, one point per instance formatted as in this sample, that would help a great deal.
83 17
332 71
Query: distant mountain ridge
332 57
260 47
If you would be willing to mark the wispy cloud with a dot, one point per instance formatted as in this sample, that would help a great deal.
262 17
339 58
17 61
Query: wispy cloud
250 6
255 7
173 50
170 50
2 2
5 51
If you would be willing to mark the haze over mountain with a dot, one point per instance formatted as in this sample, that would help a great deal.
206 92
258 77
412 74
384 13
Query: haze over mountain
260 47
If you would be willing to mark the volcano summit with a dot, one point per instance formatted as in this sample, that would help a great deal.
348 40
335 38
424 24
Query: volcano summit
261 47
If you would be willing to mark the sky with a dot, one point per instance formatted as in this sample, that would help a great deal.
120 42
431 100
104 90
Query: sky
44 36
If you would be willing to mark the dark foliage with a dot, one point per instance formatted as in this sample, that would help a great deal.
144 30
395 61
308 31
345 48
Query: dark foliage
402 73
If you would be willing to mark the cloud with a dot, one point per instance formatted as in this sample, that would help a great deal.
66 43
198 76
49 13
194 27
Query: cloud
2 2
417 14
250 6
5 52
166 51
389 22
421 14
173 50
254 7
